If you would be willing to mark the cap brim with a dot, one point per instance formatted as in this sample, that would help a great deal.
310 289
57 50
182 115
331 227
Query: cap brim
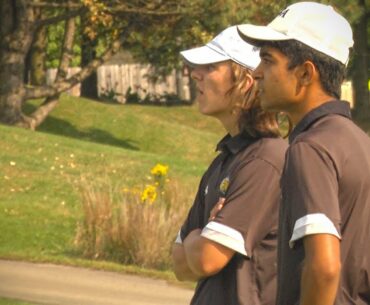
203 56
255 34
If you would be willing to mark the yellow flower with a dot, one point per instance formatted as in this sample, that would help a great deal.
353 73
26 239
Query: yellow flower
149 194
159 170
125 190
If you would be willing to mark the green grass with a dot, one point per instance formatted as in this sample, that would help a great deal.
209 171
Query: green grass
177 131
40 171
13 302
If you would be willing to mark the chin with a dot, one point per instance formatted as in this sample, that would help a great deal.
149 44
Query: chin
204 112
202 108
265 105
269 105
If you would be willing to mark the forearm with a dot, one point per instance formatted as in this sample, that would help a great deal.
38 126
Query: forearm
194 253
204 256
180 264
320 276
317 288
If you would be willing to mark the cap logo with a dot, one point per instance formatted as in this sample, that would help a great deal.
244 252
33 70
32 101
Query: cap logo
283 13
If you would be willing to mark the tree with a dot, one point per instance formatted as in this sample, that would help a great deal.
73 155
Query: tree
154 31
89 86
18 25
119 22
361 63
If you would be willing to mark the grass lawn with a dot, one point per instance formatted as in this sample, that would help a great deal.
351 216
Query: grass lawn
40 172
13 302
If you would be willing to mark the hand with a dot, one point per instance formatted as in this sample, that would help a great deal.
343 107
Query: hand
217 208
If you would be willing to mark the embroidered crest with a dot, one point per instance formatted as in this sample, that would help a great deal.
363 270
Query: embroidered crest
224 185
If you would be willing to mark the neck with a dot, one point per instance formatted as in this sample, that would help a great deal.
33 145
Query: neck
308 104
230 124
233 131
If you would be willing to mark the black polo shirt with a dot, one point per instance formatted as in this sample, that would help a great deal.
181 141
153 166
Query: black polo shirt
247 173
326 189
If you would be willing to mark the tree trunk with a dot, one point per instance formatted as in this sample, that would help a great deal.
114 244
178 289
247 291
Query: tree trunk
360 67
51 102
37 58
35 69
89 87
11 87
16 36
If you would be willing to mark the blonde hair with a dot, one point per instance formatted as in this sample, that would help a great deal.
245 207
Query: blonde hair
253 120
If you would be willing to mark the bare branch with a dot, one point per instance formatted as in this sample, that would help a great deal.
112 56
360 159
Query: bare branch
40 92
59 18
55 5
125 10
51 102
118 9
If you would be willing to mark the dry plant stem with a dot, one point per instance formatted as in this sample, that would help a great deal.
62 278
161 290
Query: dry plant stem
125 229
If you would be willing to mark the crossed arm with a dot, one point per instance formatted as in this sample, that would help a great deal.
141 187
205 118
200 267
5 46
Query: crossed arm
198 257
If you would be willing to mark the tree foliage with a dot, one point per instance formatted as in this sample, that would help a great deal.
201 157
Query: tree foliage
113 24
154 31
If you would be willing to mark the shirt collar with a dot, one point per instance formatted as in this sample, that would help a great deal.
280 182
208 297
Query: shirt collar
234 144
331 107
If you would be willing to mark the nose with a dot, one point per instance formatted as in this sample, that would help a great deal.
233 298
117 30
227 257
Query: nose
257 73
196 73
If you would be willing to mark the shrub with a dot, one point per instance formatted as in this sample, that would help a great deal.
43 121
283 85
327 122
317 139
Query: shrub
132 226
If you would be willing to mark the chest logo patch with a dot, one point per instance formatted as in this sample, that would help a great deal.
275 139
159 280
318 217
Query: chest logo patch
206 191
224 185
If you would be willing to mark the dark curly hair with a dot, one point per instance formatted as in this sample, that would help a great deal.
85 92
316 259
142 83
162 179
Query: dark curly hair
332 72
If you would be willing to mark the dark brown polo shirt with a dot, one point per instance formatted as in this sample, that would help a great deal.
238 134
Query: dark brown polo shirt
326 189
247 173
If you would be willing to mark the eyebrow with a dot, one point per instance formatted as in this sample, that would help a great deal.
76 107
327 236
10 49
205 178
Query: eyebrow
264 53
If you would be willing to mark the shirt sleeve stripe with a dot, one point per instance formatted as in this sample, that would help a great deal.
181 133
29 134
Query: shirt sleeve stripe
178 238
317 223
225 236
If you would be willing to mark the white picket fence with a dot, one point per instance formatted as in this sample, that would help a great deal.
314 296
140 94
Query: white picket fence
119 78
51 74
347 93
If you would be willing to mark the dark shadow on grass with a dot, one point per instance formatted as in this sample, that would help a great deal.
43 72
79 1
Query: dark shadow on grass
63 128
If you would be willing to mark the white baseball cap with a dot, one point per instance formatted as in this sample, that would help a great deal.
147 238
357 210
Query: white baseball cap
227 45
316 25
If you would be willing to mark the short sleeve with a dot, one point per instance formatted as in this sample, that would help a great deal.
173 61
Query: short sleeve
310 188
251 207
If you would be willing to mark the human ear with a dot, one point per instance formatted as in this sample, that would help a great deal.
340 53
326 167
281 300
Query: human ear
306 73
195 73
248 82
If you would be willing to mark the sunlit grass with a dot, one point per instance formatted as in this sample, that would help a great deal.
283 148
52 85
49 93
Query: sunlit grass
4 301
40 205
